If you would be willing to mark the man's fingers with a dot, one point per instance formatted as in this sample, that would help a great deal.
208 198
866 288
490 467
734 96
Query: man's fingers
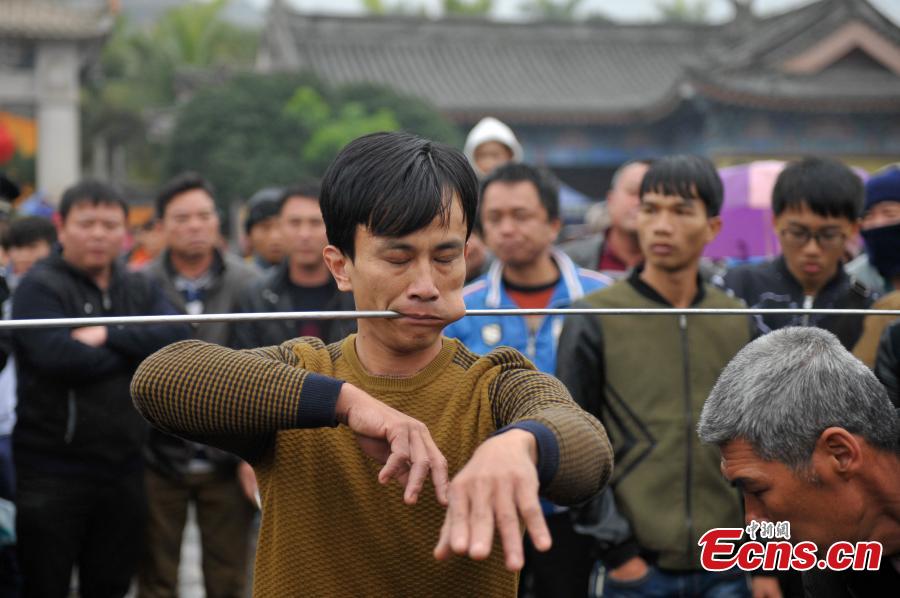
530 510
398 462
440 475
421 463
507 522
458 516
442 550
481 520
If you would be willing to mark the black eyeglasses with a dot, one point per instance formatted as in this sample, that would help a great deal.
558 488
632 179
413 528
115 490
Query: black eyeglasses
798 236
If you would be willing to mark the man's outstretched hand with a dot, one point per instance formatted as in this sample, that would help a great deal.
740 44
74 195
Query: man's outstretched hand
402 443
497 486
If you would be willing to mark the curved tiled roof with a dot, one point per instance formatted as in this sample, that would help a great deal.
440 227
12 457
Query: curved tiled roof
588 72
36 19
580 71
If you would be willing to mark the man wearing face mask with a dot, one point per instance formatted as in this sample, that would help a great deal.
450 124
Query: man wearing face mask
881 232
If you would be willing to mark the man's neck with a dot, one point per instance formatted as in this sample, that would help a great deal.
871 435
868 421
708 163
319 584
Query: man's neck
100 277
886 529
191 266
540 272
302 276
624 246
678 288
380 360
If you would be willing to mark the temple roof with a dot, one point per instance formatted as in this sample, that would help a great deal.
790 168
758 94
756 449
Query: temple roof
831 55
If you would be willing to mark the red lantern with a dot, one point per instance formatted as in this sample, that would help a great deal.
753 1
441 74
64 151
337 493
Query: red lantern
7 145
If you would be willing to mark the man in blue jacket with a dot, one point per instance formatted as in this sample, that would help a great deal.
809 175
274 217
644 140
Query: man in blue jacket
78 438
519 215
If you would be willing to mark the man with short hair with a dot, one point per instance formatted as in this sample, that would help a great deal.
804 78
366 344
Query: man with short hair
667 490
808 435
817 203
77 442
198 278
301 282
617 250
397 211
266 248
519 216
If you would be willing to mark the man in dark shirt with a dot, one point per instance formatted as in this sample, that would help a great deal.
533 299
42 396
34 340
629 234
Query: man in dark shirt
817 204
301 282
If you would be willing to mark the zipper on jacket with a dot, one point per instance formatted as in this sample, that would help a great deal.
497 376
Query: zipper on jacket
107 301
531 346
71 416
689 429
808 301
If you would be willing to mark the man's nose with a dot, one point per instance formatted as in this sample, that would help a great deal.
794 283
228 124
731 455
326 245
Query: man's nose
753 511
422 286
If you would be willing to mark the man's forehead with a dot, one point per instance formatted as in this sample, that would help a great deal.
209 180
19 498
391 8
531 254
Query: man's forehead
659 198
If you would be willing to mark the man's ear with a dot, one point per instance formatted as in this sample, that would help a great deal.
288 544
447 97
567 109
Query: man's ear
839 450
338 264
714 227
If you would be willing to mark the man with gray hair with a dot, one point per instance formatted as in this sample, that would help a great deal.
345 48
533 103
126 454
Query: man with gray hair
809 436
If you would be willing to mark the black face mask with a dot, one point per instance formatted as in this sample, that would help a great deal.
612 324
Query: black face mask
883 247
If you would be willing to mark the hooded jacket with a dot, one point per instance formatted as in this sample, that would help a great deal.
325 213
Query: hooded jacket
491 129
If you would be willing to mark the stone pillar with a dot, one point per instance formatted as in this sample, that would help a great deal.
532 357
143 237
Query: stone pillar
58 119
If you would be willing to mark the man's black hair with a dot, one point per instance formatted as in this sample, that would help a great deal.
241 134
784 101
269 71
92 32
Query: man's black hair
180 183
546 184
92 192
394 184
687 176
310 189
25 230
827 186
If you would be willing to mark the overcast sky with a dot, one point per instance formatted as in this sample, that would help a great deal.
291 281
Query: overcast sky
624 10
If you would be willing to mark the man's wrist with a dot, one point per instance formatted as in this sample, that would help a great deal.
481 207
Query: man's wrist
318 401
545 453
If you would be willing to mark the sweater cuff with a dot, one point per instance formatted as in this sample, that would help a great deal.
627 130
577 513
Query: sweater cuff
547 447
318 398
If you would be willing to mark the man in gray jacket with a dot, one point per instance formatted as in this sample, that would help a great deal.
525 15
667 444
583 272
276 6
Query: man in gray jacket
198 278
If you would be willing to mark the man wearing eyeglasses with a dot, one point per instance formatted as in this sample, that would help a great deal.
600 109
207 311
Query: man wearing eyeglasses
817 204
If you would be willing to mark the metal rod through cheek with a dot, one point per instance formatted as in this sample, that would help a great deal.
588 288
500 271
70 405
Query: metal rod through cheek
353 315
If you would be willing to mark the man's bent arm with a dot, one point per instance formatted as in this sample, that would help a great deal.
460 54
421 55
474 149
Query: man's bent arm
574 454
234 400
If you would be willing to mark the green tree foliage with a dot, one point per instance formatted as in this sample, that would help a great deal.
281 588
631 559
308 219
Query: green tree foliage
683 11
552 10
261 130
468 7
137 76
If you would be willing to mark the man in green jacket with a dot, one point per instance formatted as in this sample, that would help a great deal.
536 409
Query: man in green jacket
646 378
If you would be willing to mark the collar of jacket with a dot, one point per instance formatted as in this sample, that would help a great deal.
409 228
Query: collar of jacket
217 266
635 280
837 281
567 269
56 260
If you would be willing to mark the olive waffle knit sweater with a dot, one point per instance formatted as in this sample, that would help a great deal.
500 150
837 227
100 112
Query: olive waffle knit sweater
328 527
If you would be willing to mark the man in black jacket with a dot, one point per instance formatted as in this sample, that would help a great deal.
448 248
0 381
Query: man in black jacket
77 443
301 283
817 204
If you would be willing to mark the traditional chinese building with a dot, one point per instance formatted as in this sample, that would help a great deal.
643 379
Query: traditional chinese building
44 48
585 96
